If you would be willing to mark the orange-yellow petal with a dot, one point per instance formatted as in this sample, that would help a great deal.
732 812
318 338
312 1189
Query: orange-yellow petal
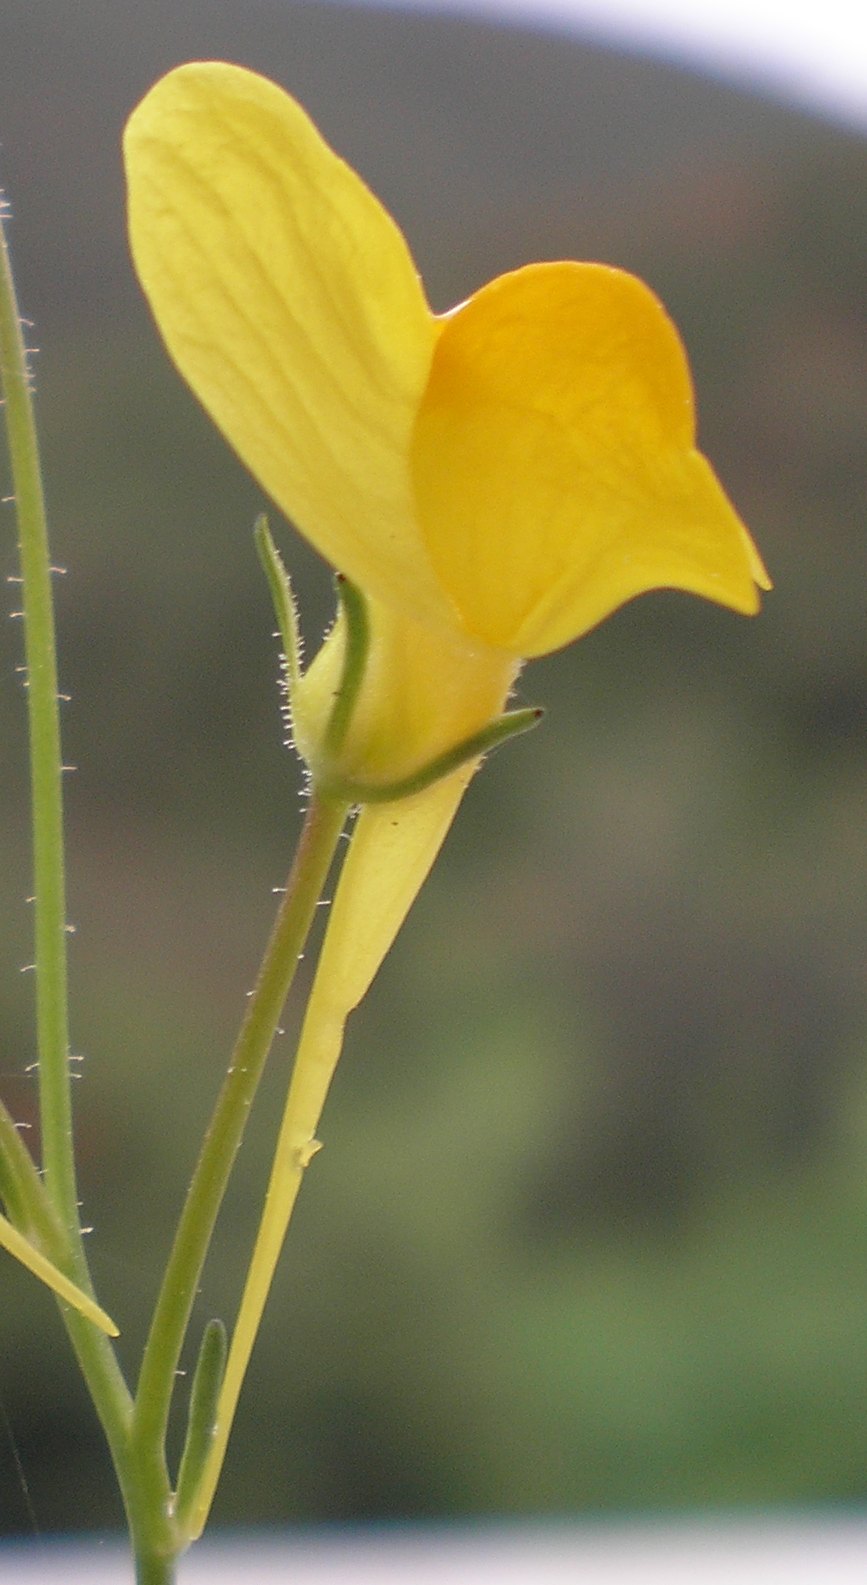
289 301
554 461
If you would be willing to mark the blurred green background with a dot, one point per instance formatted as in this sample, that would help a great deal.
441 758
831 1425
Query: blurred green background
589 1232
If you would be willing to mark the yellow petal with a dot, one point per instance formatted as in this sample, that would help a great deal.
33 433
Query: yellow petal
53 1277
554 461
289 301
392 849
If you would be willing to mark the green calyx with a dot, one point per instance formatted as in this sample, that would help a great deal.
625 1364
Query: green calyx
330 782
507 726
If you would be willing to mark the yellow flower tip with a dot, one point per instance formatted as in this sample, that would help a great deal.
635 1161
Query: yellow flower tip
561 396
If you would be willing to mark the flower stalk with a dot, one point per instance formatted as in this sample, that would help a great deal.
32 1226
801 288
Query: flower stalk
320 835
49 1204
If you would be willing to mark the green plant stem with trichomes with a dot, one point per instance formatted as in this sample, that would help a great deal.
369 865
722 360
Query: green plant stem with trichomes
47 1207
322 828
161 1522
46 770
50 1205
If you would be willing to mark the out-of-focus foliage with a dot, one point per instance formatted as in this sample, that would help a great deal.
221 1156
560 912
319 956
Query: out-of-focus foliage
648 926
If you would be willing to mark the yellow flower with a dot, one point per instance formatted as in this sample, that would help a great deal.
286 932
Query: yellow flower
495 481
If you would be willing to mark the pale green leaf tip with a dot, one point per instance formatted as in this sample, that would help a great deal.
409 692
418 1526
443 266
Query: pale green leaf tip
31 1257
283 601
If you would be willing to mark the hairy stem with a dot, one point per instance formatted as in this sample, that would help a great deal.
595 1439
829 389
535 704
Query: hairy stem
55 1217
322 828
46 769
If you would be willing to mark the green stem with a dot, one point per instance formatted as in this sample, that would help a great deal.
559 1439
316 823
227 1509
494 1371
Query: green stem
315 1062
319 838
54 1212
45 772
153 1569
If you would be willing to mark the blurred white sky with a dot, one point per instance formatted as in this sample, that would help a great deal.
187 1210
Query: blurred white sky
814 54
750 1552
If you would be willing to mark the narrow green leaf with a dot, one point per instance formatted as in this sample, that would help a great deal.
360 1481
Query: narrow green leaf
47 1272
202 1420
283 601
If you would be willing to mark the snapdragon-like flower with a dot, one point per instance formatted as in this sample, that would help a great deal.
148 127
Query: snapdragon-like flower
496 480
493 482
